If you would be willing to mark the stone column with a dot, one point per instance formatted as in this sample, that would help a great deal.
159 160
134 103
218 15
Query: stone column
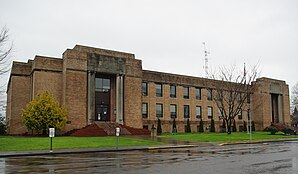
91 97
280 109
119 99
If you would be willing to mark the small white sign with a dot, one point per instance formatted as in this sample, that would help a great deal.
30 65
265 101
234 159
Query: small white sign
117 131
51 132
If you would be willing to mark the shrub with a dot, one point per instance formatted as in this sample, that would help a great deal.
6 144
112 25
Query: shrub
244 126
212 127
234 128
201 126
188 129
159 130
253 127
174 128
44 113
2 126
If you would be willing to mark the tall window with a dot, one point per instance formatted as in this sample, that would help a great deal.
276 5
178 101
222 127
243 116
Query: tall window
248 98
209 94
159 110
240 114
173 110
186 92
158 89
248 114
198 112
210 112
144 88
173 91
239 97
220 114
102 85
186 111
198 93
145 110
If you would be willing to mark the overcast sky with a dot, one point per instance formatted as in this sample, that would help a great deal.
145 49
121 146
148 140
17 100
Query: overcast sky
166 35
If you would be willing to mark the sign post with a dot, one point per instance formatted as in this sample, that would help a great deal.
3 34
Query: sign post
117 135
51 135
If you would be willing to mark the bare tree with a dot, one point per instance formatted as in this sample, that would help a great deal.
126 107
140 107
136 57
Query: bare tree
295 96
5 50
231 90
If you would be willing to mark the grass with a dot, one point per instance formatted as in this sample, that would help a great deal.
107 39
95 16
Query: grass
223 137
8 143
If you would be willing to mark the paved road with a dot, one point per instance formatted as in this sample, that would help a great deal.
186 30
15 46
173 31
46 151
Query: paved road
278 157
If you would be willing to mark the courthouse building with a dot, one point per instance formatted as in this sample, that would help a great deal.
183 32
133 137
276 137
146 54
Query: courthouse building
98 85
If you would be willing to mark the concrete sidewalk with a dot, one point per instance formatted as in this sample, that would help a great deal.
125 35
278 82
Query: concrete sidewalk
89 150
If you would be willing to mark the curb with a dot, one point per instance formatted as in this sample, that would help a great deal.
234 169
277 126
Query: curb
257 141
91 150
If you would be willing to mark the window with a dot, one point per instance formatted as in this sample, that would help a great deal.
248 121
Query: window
239 97
158 89
173 91
186 92
102 85
220 114
240 114
248 114
220 95
248 98
144 88
231 99
198 93
186 111
210 112
173 110
198 112
145 110
159 110
209 94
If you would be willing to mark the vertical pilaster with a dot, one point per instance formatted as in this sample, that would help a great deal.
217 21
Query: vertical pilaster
119 99
91 97
280 109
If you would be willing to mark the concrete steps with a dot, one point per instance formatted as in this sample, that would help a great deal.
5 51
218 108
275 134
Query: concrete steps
107 128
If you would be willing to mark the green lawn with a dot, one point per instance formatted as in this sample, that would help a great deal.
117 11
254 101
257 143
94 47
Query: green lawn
8 143
223 137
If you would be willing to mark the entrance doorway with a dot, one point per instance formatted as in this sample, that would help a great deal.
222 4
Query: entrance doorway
102 99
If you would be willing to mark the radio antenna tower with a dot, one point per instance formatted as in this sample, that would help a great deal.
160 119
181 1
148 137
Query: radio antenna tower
205 67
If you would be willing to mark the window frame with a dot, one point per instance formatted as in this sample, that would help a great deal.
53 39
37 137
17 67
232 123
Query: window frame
200 109
208 112
157 90
173 114
186 92
200 93
144 93
175 91
145 115
186 114
209 94
159 115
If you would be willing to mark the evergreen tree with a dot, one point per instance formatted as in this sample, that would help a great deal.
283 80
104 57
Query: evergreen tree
188 128
201 126
159 130
212 127
253 128
234 129
244 126
174 129
44 113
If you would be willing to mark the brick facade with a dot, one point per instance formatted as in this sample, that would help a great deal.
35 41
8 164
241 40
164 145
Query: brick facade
72 81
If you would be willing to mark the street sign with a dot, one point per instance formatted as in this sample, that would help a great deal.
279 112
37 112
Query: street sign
51 132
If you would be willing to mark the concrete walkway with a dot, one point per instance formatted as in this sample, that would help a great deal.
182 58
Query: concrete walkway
89 150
